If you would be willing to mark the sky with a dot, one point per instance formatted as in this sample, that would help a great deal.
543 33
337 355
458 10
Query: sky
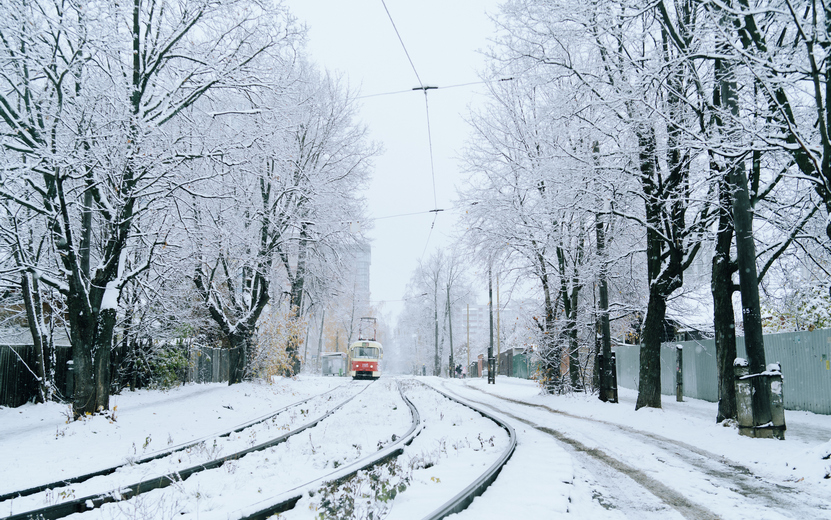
443 39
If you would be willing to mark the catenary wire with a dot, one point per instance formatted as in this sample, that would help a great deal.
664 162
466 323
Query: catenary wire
424 89
409 90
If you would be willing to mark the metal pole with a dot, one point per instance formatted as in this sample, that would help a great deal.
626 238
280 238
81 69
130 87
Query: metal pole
491 367
320 337
498 335
450 327
679 373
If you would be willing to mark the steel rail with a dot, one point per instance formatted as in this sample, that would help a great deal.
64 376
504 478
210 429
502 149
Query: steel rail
288 499
465 497
155 456
94 501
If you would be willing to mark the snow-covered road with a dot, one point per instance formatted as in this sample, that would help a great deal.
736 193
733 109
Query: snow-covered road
671 463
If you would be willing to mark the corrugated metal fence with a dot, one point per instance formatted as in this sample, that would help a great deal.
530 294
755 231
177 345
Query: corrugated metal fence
18 384
805 358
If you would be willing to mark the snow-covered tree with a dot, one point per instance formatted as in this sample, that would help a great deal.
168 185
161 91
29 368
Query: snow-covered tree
90 100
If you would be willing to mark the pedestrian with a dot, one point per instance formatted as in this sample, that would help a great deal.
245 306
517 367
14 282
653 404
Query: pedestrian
464 371
459 371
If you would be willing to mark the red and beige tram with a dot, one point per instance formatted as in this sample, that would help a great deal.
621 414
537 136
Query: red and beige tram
365 359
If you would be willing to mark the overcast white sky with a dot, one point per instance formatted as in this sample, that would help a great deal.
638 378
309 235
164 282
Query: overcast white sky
443 38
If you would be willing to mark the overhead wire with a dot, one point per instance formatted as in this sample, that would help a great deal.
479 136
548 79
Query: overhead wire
402 43
468 84
424 89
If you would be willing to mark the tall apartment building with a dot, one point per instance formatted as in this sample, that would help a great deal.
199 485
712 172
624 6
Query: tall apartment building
358 261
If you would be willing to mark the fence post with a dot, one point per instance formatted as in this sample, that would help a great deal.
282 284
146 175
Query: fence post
679 373
70 379
744 397
777 400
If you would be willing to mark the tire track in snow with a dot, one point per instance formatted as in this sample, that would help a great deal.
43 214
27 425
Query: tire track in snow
665 494
793 502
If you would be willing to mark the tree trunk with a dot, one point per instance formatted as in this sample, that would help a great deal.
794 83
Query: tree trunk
296 303
81 329
603 304
102 353
724 323
550 351
649 387
746 257
34 318
237 357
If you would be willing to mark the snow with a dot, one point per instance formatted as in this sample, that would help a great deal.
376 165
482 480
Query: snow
576 457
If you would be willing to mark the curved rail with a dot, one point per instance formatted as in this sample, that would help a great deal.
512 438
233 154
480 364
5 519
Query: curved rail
89 502
158 455
465 497
288 499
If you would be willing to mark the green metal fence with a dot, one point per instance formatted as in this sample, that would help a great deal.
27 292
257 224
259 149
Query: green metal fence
805 358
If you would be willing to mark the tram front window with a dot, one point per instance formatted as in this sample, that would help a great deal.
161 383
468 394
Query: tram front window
365 352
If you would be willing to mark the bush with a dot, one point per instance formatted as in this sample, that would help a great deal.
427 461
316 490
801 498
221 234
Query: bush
365 495
168 367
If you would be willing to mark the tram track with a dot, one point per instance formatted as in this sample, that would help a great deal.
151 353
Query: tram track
117 503
107 494
459 500
288 499
116 500
476 488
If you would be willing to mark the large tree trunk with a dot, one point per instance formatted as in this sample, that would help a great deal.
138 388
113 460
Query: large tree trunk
665 206
603 315
452 372
649 386
570 330
724 323
296 302
746 255
81 332
238 356
103 350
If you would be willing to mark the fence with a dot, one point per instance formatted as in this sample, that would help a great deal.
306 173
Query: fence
515 362
805 358
18 384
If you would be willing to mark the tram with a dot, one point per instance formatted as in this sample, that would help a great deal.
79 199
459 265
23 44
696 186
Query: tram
364 356
365 359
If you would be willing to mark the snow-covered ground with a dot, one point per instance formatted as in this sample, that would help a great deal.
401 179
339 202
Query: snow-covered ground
576 457
670 463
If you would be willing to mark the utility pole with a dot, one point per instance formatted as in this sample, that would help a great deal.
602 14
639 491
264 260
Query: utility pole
491 363
450 327
436 359
320 336
468 336
498 335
